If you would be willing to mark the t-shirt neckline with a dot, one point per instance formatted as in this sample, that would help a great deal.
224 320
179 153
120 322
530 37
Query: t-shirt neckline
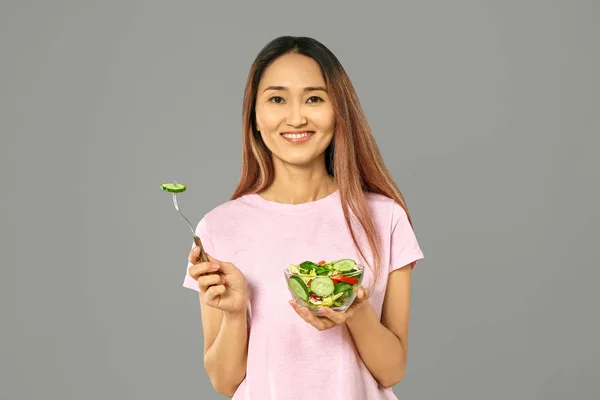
291 208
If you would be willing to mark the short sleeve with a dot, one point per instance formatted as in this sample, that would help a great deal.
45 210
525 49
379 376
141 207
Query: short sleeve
404 247
203 234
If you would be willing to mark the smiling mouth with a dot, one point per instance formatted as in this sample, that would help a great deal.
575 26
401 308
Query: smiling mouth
297 137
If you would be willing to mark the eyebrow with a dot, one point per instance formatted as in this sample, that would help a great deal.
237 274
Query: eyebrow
306 89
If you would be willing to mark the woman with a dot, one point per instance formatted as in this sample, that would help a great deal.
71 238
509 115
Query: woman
313 187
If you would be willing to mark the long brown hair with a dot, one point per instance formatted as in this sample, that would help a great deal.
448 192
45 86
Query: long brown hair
352 158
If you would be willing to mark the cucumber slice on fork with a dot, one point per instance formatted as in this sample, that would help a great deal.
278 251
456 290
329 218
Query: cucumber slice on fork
175 188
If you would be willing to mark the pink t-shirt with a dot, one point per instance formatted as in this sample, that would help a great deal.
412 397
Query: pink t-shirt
288 359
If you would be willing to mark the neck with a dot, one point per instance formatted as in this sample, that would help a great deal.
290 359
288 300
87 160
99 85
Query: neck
297 185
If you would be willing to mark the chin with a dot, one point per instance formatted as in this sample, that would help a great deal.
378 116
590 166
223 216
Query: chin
300 160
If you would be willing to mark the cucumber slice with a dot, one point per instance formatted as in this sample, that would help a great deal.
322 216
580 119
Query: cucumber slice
322 286
173 187
298 287
344 265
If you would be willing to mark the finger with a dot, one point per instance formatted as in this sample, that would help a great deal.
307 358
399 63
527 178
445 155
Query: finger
297 308
334 316
322 323
205 281
301 311
363 293
198 270
213 295
194 256
225 268
319 323
212 259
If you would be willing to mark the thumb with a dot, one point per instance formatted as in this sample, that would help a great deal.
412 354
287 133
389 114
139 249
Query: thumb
363 294
224 267
213 260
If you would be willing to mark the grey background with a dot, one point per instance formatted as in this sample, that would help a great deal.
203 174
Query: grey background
487 115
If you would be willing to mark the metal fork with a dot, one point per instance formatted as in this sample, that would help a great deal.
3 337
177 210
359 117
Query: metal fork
197 241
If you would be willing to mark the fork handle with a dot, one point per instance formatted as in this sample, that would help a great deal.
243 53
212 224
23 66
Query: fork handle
203 256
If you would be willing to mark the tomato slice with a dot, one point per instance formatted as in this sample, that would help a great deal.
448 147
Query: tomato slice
352 281
321 262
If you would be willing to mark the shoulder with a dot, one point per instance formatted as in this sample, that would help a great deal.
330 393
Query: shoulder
224 215
378 200
385 207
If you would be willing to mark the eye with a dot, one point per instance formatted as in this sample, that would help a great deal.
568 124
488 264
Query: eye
315 99
276 99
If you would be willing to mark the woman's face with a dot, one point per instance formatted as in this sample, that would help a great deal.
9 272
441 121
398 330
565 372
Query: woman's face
293 111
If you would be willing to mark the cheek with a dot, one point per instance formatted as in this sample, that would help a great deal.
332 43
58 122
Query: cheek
266 119
325 120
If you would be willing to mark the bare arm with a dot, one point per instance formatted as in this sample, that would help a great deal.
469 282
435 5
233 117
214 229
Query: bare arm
225 347
383 345
223 305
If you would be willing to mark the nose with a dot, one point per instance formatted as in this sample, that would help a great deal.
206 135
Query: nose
296 115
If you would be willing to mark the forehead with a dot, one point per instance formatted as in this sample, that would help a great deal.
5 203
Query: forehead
293 71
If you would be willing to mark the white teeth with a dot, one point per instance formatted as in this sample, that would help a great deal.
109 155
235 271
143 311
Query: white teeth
295 135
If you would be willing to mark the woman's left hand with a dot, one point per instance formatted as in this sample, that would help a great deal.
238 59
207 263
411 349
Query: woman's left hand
332 318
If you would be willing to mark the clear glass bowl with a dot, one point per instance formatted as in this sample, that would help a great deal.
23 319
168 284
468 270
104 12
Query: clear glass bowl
337 291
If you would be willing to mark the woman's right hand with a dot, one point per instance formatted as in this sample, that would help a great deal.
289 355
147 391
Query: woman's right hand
221 284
